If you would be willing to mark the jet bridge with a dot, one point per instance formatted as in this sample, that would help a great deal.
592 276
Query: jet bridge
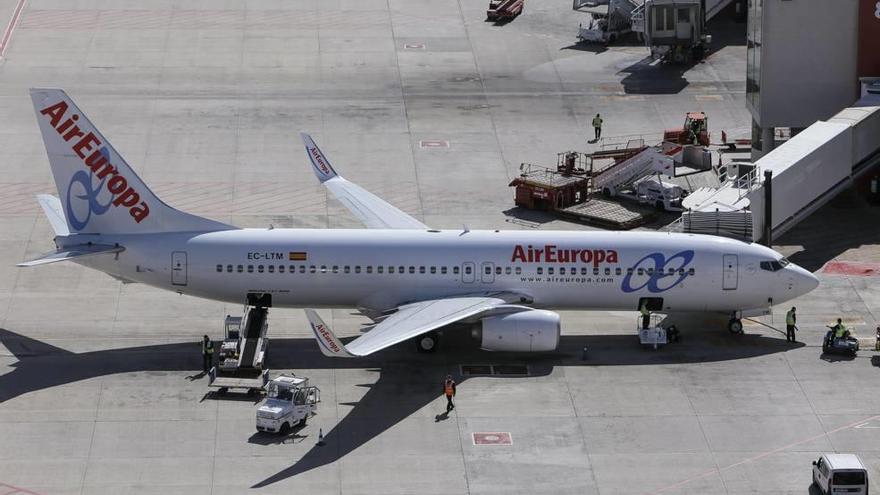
805 173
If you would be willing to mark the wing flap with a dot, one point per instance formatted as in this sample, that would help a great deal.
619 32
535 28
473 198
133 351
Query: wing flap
371 210
72 252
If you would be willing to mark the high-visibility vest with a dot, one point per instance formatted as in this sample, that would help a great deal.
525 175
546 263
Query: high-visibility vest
840 330
644 310
597 122
789 318
207 347
448 387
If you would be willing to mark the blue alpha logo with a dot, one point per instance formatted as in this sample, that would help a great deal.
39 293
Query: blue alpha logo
88 193
657 273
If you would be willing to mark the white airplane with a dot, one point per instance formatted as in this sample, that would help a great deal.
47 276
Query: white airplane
408 278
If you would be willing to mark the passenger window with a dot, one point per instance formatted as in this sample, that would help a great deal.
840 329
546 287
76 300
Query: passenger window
323 268
312 268
691 271
379 269
467 270
370 269
607 271
562 270
357 268
280 268
302 268
271 268
421 269
347 269
540 270
433 270
507 270
672 271
650 271
335 268
229 268
487 270
617 271
219 268
260 268
641 271
401 269
455 270
518 270
412 269
390 269
442 270
498 270
239 268
291 269
550 270
583 270
629 271
250 268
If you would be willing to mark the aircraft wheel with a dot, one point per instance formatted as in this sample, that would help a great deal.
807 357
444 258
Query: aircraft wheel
735 326
302 422
427 342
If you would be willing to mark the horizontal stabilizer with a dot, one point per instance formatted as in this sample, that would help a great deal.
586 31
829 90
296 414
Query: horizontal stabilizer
73 252
327 341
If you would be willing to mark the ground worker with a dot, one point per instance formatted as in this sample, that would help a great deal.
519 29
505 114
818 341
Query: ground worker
840 330
790 321
207 353
449 391
646 315
597 126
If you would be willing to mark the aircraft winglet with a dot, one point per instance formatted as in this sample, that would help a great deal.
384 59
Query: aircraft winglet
327 341
320 163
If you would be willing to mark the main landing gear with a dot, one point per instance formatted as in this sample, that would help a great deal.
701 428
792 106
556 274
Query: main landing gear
427 342
735 325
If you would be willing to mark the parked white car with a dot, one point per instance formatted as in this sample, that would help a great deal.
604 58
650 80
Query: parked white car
840 473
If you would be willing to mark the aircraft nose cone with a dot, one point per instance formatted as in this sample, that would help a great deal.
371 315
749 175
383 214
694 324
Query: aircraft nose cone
805 281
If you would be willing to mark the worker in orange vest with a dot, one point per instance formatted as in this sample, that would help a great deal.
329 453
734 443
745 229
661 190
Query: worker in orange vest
449 391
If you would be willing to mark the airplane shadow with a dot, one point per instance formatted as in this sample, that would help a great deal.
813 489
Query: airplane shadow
407 381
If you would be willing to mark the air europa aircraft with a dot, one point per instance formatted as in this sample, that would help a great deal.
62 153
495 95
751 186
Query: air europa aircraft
410 279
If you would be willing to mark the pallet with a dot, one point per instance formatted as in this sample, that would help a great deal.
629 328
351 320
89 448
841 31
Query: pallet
609 214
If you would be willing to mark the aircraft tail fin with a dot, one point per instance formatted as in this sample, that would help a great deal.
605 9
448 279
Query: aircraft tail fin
327 341
99 192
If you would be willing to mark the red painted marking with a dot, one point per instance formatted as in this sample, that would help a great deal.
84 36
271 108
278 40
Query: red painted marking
765 454
493 438
7 35
853 268
430 143
15 489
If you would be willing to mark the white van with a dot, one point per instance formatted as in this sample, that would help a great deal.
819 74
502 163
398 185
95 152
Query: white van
840 473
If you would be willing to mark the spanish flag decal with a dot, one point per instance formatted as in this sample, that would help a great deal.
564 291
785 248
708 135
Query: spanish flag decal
297 256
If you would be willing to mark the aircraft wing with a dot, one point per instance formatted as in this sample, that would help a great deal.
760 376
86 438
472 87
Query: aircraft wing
410 320
370 209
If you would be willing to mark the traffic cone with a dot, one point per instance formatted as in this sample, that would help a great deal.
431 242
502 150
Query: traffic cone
320 437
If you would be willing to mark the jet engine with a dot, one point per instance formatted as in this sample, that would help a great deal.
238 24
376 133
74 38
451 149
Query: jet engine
535 330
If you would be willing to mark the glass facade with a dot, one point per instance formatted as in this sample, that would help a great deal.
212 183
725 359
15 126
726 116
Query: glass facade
753 53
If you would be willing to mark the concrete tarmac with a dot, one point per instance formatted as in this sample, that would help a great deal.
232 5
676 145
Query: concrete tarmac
432 108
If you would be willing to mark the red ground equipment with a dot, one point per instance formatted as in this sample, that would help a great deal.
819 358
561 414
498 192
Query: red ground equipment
504 9
694 131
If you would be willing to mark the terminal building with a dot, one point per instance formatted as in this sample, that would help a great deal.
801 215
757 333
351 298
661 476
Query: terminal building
805 59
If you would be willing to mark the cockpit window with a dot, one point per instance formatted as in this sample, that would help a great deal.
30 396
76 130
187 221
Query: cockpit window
774 266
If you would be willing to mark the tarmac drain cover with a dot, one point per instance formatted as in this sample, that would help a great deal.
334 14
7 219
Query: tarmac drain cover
493 438
476 369
433 143
511 369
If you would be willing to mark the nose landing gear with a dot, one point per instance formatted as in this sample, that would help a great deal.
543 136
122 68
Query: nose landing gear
735 325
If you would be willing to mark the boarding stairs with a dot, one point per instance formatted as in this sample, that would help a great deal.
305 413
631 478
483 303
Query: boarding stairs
618 177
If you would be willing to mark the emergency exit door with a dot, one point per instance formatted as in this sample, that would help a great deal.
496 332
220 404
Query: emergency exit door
730 274
178 268
488 275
